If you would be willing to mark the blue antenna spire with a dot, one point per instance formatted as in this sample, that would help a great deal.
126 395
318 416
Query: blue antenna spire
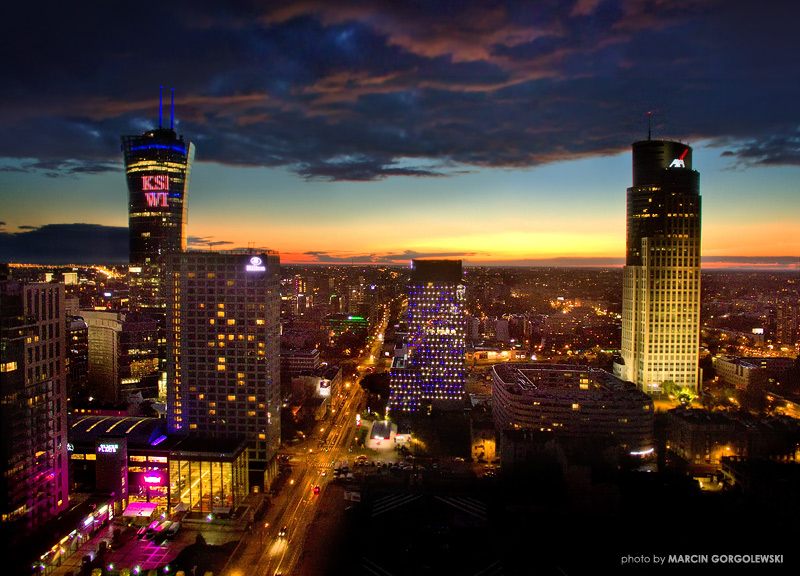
160 105
172 111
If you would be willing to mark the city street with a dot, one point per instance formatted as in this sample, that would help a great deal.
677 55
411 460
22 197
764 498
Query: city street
266 549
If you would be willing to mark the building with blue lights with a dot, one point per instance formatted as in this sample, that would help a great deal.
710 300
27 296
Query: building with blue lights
432 372
157 167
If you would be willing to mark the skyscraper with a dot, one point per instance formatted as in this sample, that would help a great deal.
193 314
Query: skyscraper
33 406
661 278
157 167
223 348
433 371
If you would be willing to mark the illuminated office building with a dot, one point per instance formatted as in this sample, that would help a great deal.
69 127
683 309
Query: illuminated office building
123 355
223 365
661 278
157 167
433 371
33 406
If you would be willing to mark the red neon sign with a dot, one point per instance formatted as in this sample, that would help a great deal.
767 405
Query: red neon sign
155 182
156 199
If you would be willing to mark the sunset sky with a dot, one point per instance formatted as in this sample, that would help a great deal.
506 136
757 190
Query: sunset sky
379 131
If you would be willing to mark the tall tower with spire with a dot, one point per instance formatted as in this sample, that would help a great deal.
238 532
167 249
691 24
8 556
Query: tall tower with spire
661 278
157 167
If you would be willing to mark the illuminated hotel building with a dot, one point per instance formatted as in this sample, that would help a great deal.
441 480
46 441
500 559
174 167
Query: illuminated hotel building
157 166
223 344
33 405
661 278
433 371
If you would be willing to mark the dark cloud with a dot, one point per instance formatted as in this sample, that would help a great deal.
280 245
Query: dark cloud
769 150
364 90
66 244
55 168
756 262
24 227
381 258
204 241
359 169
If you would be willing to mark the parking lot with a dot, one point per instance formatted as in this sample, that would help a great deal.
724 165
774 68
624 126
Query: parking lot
130 550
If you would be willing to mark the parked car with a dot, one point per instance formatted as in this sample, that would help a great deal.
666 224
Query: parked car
172 529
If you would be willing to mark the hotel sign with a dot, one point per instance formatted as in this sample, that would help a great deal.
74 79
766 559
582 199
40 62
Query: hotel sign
256 265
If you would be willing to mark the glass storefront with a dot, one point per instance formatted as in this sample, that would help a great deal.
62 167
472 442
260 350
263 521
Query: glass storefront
203 485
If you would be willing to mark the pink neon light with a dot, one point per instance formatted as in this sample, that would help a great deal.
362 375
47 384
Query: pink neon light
156 199
157 182
152 479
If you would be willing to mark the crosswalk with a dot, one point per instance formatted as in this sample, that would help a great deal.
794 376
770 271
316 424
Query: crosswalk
469 505
387 503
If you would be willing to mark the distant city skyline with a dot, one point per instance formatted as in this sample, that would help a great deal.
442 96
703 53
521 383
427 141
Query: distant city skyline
379 133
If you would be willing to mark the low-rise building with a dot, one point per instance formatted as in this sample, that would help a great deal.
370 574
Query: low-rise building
702 438
572 401
296 361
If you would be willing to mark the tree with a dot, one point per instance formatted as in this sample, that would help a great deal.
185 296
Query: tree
676 392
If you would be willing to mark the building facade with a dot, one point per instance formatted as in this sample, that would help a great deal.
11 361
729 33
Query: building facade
123 354
33 405
433 371
223 368
572 401
661 277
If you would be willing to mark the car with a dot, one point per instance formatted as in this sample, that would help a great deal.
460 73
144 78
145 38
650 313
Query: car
172 529
150 532
283 531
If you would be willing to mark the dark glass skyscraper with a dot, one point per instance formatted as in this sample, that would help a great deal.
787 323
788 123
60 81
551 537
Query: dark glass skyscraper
157 167
661 278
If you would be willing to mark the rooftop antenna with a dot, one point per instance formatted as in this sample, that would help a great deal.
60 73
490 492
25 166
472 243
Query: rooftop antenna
172 111
648 124
160 105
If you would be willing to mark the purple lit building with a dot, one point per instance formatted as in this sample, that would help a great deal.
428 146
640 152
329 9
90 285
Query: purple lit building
433 371
33 403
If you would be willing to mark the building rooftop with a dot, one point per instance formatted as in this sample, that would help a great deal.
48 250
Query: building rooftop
565 381
139 431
